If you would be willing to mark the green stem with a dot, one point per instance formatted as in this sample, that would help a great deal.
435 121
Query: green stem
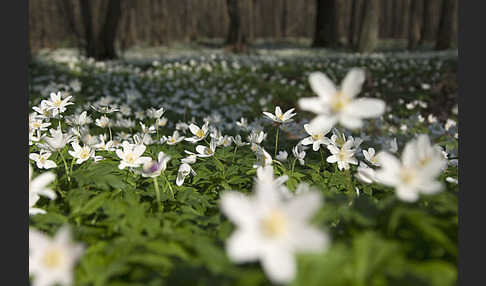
65 166
276 141
170 187
234 153
157 191
109 128
293 166
322 155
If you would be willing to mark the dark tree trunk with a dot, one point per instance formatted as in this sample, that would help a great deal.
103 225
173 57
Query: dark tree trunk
101 46
352 25
285 13
368 39
234 32
414 24
66 9
445 33
427 21
325 34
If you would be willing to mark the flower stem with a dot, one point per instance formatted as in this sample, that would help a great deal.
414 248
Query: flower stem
157 191
170 187
322 155
109 128
276 140
234 153
293 166
65 166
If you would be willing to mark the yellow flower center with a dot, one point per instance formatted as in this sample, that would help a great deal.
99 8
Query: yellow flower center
36 125
172 140
281 117
42 160
316 137
275 224
208 151
200 133
407 175
84 154
424 161
57 102
339 101
342 155
52 258
130 159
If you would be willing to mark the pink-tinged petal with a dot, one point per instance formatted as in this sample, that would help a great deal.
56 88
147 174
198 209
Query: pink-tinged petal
243 246
279 264
352 82
366 107
322 86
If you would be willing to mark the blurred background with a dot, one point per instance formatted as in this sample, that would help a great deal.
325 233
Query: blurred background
107 29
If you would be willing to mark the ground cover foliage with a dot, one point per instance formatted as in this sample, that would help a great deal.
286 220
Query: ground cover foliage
130 238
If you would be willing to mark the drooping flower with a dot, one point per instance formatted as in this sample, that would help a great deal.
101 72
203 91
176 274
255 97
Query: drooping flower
299 153
205 151
154 168
366 174
370 156
272 229
334 105
282 156
184 171
52 260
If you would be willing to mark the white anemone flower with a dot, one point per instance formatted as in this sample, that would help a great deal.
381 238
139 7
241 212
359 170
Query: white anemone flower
58 140
416 173
174 139
57 104
205 151
199 133
280 117
184 171
131 156
154 168
52 260
366 174
42 160
299 153
282 156
263 158
239 142
81 154
37 188
103 122
334 105
272 229
370 156
155 113
343 156
317 136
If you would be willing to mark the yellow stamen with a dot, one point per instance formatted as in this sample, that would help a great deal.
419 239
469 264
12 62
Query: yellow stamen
53 258
274 224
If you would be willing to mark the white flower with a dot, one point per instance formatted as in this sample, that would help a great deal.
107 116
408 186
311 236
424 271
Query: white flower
280 117
239 142
57 104
282 156
103 122
131 155
44 110
58 139
340 106
52 261
343 156
81 154
155 113
243 123
299 153
317 136
205 151
256 137
147 130
80 119
174 139
370 156
42 161
263 158
154 168
199 133
365 174
184 171
104 146
417 171
191 159
271 229
37 188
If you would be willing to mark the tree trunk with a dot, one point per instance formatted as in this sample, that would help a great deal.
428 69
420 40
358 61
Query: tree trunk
285 13
444 35
325 34
89 38
368 39
427 21
352 25
234 32
414 24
